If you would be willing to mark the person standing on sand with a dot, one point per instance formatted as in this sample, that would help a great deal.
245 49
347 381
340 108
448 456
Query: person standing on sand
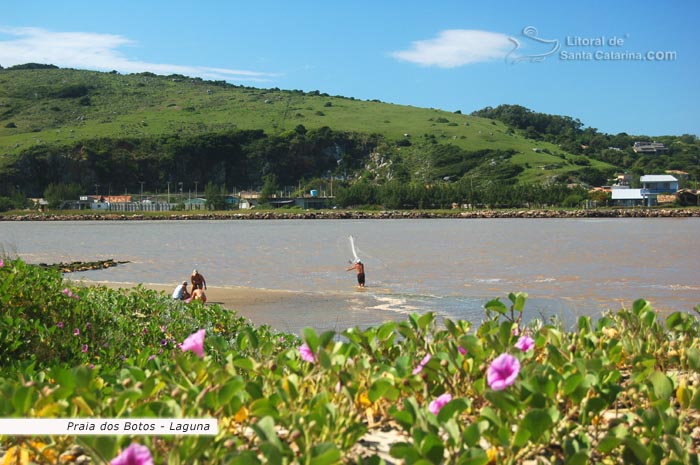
198 281
360 267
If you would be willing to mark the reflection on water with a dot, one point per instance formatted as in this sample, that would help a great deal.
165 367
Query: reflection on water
569 267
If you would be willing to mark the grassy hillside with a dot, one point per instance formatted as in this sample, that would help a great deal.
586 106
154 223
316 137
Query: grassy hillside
64 106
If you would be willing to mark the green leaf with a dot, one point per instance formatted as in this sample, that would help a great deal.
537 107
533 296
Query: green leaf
245 458
572 383
482 459
608 443
490 414
311 339
678 321
383 387
496 305
245 363
579 458
403 417
503 400
403 450
521 436
537 422
663 387
694 358
425 320
639 451
386 330
518 300
230 389
263 408
473 433
432 448
451 408
265 429
473 346
105 447
325 454
640 305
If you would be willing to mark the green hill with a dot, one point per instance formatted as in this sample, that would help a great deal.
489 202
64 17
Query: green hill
59 126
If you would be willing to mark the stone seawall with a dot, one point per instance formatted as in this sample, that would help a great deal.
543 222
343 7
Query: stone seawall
386 214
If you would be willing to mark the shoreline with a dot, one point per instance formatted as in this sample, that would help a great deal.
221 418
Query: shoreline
364 215
275 308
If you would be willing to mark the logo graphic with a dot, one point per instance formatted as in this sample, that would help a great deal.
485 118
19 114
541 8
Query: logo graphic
531 41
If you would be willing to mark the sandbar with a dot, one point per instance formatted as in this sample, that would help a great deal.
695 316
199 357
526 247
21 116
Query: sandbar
286 311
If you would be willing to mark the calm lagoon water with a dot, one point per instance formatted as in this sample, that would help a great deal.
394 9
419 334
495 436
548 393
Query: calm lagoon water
569 267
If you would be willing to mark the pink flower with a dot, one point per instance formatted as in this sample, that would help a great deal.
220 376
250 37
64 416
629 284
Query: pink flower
462 350
525 343
422 363
306 354
195 343
85 348
135 454
67 292
60 325
2 263
439 403
502 372
76 332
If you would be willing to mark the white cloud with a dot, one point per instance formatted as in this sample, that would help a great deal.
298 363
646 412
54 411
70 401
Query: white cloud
85 50
457 47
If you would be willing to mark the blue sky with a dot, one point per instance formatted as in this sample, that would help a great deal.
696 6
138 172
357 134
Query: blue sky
629 67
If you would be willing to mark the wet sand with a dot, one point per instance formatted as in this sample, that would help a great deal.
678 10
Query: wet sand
286 311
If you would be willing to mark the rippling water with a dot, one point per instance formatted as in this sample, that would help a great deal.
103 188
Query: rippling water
569 267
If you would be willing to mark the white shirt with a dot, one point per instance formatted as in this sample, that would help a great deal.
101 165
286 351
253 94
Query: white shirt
179 292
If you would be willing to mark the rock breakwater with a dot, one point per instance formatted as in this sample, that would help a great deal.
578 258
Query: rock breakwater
353 214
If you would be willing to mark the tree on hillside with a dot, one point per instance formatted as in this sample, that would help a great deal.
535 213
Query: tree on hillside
56 194
269 189
215 196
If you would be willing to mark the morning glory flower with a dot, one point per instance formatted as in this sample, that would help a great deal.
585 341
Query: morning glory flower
525 343
85 348
435 406
306 354
2 263
502 372
462 350
135 454
422 363
195 343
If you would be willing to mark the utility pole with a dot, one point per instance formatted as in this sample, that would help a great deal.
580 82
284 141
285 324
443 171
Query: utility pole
168 191
195 189
141 182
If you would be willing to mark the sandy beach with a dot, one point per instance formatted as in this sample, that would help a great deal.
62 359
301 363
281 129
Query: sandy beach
286 311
